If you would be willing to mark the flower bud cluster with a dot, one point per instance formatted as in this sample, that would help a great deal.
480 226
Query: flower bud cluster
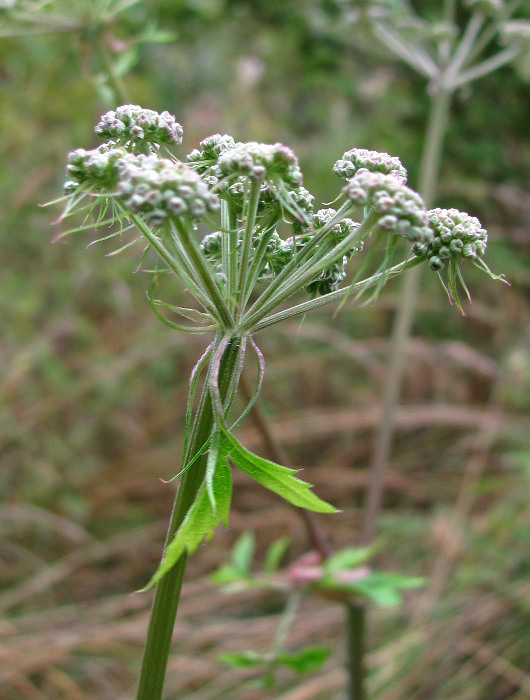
160 189
340 230
203 158
93 169
157 188
329 279
211 245
352 161
455 235
401 209
143 128
260 161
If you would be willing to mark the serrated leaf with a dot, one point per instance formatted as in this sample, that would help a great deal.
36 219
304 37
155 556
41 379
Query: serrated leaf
275 553
200 521
243 553
309 658
274 476
242 659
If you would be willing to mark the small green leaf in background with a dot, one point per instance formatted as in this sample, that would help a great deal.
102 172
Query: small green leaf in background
309 658
200 521
349 558
275 477
275 553
243 552
243 659
381 587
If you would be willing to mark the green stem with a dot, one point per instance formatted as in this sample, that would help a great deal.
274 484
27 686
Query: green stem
268 301
355 628
167 592
403 322
250 221
200 265
339 294
229 252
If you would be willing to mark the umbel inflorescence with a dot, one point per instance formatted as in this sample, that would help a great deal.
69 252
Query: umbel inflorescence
235 224
265 240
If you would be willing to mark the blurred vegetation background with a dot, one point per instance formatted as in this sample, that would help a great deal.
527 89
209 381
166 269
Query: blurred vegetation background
94 387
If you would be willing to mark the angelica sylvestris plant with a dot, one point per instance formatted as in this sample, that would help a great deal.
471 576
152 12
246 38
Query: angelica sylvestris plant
234 223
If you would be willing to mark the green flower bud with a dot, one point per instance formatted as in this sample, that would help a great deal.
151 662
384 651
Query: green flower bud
358 158
301 212
159 189
339 231
455 235
271 162
329 279
204 157
402 210
95 169
435 263
142 130
211 246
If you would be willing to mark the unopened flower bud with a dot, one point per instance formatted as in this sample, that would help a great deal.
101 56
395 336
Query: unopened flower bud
259 161
358 158
402 210
455 235
210 148
141 130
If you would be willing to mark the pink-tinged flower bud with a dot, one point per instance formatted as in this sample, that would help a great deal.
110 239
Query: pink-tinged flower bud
139 130
402 210
358 158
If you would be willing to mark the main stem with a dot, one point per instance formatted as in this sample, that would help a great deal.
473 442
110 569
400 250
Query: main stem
167 594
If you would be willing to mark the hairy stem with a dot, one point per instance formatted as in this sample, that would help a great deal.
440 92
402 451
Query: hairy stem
167 592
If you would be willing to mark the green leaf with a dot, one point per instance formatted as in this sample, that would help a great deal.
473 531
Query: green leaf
243 659
275 477
275 553
243 553
380 587
348 558
228 573
200 520
307 659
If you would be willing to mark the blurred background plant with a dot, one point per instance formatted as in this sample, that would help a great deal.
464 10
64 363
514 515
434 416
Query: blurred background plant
93 388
